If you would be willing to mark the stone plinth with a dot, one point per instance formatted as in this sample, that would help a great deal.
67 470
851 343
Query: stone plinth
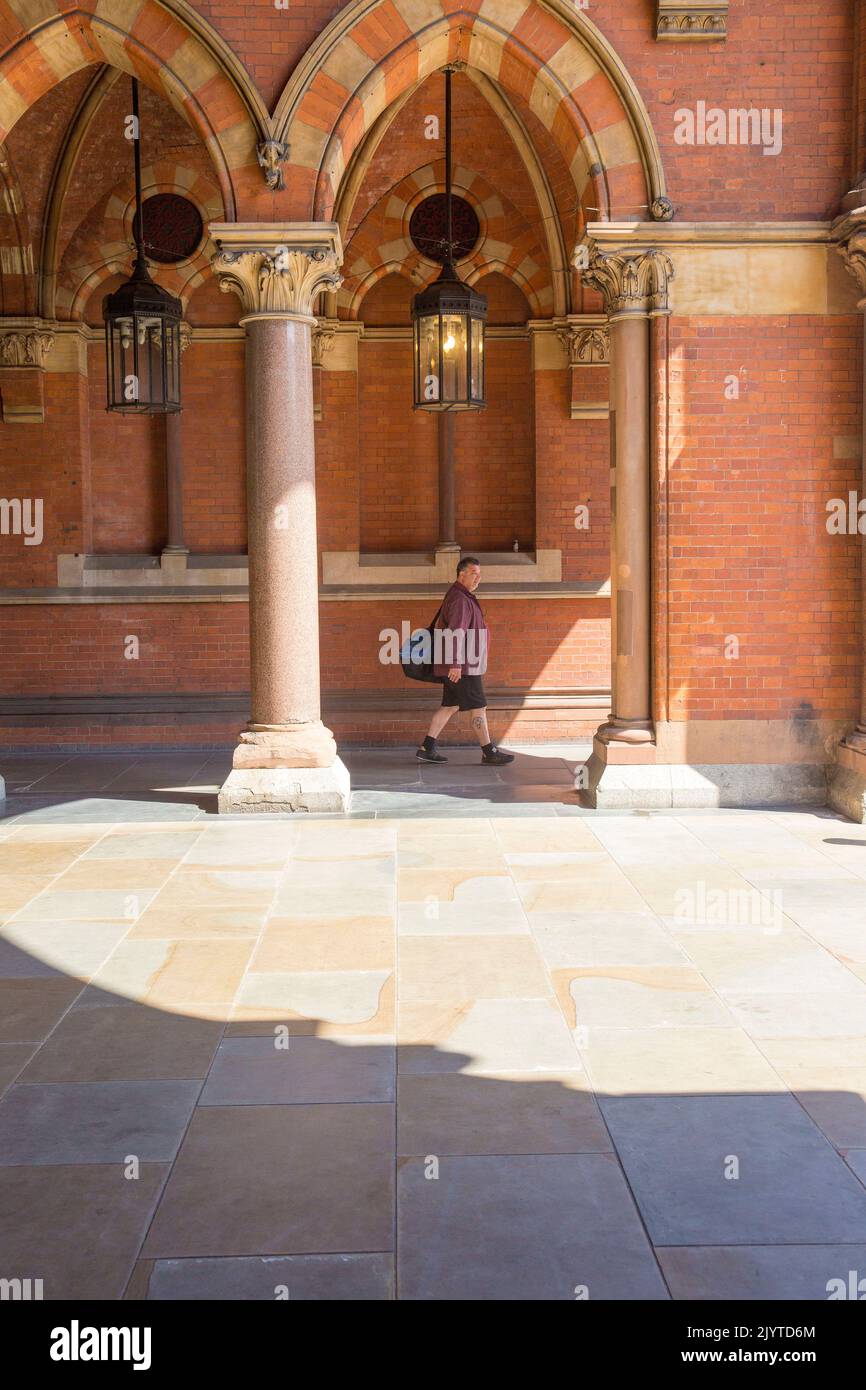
281 790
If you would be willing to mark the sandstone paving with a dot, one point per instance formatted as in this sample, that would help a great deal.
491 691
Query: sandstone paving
473 1052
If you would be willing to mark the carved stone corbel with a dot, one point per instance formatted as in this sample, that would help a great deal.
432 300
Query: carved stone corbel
681 21
272 154
587 345
851 246
323 339
25 346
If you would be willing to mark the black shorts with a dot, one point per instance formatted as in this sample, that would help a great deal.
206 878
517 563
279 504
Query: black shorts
465 693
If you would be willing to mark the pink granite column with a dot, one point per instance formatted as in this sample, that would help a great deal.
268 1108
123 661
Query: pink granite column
281 524
286 760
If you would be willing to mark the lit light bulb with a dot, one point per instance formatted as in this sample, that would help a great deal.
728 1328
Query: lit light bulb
448 345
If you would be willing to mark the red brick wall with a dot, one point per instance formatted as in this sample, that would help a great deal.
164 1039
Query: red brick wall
69 649
50 462
337 478
397 452
212 428
127 472
495 455
573 470
749 551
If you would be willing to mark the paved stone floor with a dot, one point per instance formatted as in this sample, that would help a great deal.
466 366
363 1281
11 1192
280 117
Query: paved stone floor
471 1042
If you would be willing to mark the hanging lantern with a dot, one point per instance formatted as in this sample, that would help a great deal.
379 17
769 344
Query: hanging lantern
448 320
142 328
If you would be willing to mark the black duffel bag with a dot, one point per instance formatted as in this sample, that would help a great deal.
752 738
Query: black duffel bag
416 656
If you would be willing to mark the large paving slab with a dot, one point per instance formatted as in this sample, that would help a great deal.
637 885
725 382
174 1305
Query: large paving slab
468 1042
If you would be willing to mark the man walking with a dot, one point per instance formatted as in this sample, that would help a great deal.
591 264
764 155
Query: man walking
460 644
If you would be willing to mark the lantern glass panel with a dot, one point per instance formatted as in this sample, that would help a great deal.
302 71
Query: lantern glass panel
476 360
429 385
454 358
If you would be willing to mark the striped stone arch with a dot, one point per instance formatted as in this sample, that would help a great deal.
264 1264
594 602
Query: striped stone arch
381 244
546 52
16 247
92 258
164 43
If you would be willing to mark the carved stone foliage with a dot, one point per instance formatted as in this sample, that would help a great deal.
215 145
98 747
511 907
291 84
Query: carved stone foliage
24 347
323 340
275 278
852 249
272 154
631 283
662 210
682 21
586 345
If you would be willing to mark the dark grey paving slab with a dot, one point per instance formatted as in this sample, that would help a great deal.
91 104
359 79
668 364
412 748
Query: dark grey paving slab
756 1272
104 1038
300 1278
279 1179
255 1071
78 1228
527 1113
856 1160
20 770
526 1227
13 1058
88 771
30 1008
792 1188
94 1122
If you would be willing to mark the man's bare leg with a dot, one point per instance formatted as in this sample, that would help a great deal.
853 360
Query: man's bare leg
440 719
428 752
489 752
479 726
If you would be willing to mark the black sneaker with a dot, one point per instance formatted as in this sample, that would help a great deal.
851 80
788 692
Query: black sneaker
424 757
497 758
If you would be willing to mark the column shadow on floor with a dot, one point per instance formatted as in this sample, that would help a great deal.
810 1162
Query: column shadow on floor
151 1154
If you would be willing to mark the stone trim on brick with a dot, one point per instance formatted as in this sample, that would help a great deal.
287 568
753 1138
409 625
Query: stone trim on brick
683 21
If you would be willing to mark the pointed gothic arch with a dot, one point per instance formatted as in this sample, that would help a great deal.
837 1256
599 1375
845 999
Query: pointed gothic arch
545 52
167 45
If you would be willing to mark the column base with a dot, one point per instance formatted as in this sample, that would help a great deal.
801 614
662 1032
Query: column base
285 746
628 732
847 779
615 786
284 790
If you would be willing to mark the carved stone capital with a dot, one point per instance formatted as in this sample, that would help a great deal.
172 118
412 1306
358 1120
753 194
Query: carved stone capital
587 345
25 346
185 335
682 21
630 283
277 268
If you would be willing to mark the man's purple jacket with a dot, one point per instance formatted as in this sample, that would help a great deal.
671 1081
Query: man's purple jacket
460 632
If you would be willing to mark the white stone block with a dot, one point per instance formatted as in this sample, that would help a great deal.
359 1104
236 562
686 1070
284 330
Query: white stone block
279 790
